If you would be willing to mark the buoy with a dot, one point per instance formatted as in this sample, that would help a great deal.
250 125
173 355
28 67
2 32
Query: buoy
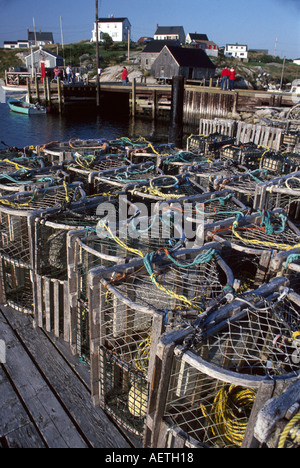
137 400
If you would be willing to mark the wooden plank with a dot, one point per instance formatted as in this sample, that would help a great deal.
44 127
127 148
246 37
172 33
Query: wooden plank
47 412
16 426
92 423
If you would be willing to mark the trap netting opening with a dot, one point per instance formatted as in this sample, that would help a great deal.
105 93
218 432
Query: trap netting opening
17 285
204 399
284 193
125 391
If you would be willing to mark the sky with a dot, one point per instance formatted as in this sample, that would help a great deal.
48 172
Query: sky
262 24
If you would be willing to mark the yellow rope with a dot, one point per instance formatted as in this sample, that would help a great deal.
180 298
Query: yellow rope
273 245
225 418
122 244
292 430
17 166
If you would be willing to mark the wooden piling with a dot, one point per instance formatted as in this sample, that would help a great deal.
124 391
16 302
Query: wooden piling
37 88
133 104
59 95
28 90
176 120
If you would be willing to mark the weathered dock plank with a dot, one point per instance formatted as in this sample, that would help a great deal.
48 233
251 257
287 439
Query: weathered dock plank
57 400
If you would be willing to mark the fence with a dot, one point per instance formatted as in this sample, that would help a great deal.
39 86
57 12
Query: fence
212 379
130 307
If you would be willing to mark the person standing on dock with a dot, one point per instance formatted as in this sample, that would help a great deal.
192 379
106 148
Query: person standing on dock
68 73
124 76
56 72
224 79
232 74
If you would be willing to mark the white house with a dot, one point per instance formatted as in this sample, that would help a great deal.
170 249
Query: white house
117 28
41 55
236 51
16 44
296 61
170 33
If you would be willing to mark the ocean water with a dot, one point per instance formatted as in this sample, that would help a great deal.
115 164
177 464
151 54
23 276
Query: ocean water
22 130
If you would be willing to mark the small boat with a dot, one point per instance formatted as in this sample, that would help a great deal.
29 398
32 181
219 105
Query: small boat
16 105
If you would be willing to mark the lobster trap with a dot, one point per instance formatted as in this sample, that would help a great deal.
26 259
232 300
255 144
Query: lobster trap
130 307
214 377
212 176
280 163
248 155
180 162
165 187
208 144
17 241
85 168
113 180
134 238
270 231
282 192
245 185
59 151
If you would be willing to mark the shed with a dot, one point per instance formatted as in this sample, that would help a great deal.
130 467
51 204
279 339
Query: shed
193 64
152 51
41 55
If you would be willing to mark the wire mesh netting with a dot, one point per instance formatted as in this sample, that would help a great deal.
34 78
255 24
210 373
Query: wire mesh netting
261 343
282 193
17 290
179 291
208 143
269 230
282 163
248 155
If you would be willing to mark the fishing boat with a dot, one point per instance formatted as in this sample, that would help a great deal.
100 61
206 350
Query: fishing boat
16 105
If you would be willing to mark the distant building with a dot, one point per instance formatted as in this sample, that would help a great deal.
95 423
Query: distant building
152 51
117 28
195 37
49 58
16 44
296 61
237 51
39 38
193 64
144 40
170 33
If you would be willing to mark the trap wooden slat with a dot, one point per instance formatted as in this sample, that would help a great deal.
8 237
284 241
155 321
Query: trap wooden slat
57 402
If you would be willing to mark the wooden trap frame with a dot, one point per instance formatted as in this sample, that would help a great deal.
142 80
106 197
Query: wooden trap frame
181 162
280 163
282 192
208 144
269 231
211 176
117 178
17 241
248 155
129 310
287 264
86 168
61 151
245 185
211 379
164 188
87 250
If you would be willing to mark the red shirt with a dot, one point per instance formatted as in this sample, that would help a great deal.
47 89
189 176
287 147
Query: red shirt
124 74
225 72
232 74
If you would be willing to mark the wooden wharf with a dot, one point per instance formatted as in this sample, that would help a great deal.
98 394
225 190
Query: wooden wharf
154 101
45 399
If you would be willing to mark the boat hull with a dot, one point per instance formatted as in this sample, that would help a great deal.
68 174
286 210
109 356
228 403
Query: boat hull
23 108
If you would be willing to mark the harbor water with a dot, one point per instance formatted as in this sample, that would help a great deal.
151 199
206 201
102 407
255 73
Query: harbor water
22 130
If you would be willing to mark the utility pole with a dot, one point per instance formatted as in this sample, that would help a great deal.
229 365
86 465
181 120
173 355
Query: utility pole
128 44
281 81
97 56
275 48
62 40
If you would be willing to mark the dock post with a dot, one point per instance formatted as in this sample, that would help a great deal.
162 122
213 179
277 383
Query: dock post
48 88
28 90
59 95
37 88
133 101
176 121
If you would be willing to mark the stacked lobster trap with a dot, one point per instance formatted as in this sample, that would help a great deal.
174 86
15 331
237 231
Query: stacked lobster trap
215 376
108 245
57 152
86 168
130 307
287 264
210 145
282 192
248 155
17 244
279 164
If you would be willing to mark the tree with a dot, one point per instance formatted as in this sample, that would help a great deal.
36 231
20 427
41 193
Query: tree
107 40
